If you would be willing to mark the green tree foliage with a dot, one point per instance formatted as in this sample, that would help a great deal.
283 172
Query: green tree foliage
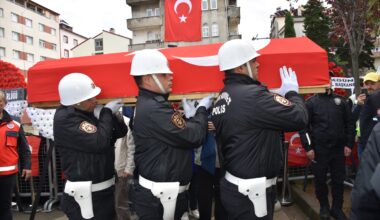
289 26
316 23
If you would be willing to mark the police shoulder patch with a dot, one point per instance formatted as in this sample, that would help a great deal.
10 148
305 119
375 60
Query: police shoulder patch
178 121
282 100
87 127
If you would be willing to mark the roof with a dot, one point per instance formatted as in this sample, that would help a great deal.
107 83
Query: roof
100 34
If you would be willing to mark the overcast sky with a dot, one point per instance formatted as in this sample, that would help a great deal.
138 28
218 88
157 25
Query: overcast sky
90 17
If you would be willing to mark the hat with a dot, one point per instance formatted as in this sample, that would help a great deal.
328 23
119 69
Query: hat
371 76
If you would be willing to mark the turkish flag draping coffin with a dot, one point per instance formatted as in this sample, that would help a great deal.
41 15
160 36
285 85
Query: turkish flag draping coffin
195 69
34 142
296 153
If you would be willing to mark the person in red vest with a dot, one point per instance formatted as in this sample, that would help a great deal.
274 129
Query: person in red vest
13 145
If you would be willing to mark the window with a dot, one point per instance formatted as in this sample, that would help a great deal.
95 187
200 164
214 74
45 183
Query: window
150 35
42 58
30 57
98 44
75 41
28 22
214 4
14 17
1 12
65 39
15 36
205 30
2 52
157 11
40 27
29 40
52 31
149 12
42 43
16 54
204 5
1 32
214 30
66 53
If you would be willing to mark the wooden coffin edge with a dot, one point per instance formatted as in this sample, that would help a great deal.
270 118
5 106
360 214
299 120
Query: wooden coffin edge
130 101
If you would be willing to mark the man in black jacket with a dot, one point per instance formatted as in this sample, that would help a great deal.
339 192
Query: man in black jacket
249 121
365 195
332 136
163 140
86 146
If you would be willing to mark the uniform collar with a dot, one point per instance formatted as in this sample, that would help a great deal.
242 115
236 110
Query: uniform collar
6 117
150 94
235 78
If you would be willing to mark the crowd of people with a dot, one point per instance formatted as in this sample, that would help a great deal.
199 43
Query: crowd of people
168 163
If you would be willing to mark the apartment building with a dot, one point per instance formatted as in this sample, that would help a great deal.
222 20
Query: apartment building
277 25
68 39
220 20
103 43
29 33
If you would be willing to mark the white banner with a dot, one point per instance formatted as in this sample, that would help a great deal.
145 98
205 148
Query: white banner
343 83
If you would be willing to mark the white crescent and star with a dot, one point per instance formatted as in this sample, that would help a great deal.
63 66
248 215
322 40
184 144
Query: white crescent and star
177 3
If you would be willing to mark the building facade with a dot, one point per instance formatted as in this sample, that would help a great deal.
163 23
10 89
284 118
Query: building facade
68 39
220 20
277 26
103 43
29 33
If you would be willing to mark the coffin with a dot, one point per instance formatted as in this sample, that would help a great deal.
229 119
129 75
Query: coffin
196 71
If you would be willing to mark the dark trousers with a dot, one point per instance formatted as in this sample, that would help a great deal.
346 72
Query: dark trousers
193 191
329 159
103 203
148 207
7 183
239 207
210 189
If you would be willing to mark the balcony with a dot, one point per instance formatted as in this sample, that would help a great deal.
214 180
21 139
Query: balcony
233 14
139 2
144 22
232 36
153 44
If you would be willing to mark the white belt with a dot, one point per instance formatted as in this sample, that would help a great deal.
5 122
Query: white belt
8 168
167 192
103 185
149 184
235 180
81 191
255 189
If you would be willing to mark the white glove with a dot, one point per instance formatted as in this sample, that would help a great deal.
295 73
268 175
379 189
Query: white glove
206 102
189 107
289 81
97 110
114 105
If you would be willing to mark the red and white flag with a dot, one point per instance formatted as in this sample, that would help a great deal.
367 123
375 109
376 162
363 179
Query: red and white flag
183 20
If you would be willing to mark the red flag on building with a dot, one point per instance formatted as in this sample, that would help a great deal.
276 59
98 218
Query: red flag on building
183 20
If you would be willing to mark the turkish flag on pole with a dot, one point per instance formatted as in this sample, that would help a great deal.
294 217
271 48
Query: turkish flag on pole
183 20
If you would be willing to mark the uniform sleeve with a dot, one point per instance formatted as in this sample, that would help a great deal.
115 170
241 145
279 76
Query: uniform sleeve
69 133
366 123
174 130
275 112
349 126
23 149
306 141
120 129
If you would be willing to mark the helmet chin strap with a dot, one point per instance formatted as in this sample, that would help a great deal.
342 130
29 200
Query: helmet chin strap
158 83
249 70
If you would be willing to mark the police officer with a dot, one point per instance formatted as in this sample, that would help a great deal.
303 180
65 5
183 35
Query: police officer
365 195
249 121
13 145
164 140
332 136
86 146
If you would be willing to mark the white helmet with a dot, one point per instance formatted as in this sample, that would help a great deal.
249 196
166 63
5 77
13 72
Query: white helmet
235 53
149 61
75 88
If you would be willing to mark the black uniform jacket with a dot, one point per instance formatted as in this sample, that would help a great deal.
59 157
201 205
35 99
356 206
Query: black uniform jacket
86 144
330 122
368 113
22 144
164 140
249 121
365 201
